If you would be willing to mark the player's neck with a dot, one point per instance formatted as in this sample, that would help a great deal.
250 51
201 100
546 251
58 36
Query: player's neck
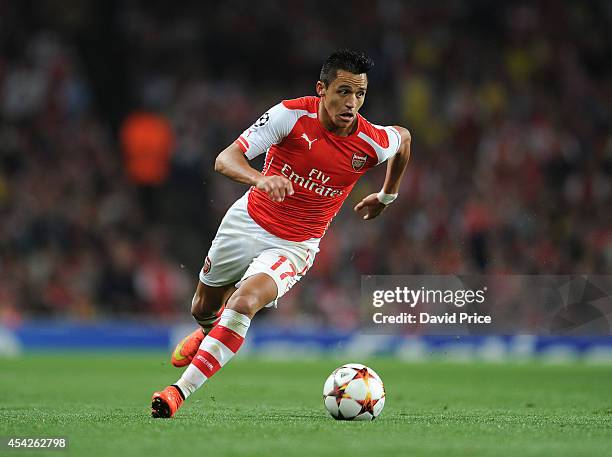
329 125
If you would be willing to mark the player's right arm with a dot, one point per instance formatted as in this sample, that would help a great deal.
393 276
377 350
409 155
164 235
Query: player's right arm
268 130
232 163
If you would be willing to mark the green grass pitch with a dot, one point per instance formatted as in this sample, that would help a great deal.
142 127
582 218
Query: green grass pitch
272 408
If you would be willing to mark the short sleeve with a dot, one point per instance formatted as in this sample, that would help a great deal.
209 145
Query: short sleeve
386 141
274 125
395 141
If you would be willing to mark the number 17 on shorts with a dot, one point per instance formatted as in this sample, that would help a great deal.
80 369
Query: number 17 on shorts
286 269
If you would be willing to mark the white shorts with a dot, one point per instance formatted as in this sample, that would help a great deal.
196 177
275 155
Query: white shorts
242 248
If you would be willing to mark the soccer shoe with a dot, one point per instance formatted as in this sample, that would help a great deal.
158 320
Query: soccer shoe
165 403
185 351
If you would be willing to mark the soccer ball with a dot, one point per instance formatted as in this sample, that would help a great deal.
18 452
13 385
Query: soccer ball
354 392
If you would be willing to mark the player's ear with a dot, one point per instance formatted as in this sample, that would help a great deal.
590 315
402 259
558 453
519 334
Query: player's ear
320 88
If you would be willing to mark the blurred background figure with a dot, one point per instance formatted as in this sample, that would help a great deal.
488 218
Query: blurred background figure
147 141
111 115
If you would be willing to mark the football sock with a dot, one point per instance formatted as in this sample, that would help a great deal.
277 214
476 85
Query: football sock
208 322
217 348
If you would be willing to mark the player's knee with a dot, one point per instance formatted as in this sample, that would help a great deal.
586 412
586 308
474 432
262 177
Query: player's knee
200 308
246 304
196 304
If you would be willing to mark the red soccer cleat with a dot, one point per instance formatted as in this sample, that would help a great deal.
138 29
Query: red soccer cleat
165 403
185 351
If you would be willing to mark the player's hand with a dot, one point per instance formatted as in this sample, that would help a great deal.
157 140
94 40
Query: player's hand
372 206
277 187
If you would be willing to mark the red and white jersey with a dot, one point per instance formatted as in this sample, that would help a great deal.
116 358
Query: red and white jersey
323 167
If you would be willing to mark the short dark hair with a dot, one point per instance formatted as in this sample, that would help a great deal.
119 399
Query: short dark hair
356 62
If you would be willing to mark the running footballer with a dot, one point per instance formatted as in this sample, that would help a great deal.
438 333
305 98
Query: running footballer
316 148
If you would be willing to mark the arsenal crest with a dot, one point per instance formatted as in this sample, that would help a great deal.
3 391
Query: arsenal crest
207 265
358 161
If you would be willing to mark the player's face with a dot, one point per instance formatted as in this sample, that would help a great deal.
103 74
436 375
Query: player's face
343 98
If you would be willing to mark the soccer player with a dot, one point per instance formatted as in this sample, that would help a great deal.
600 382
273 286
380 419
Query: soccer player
316 149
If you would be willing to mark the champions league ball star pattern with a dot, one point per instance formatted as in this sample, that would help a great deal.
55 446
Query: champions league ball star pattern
354 392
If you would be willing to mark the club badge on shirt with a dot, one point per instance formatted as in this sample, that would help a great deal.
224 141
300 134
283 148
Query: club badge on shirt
358 161
207 265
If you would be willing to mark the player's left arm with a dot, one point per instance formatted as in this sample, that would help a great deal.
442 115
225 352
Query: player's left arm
374 204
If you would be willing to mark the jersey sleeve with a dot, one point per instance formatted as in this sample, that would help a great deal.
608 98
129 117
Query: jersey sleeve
395 141
385 141
274 125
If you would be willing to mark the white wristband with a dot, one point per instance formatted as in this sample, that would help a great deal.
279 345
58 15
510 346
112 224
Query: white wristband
386 199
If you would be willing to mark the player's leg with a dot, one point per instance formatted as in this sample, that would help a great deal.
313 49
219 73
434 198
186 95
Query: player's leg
221 344
228 258
208 301
223 341
206 308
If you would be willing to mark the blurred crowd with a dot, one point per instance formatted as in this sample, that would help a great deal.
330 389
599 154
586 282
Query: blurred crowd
509 106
